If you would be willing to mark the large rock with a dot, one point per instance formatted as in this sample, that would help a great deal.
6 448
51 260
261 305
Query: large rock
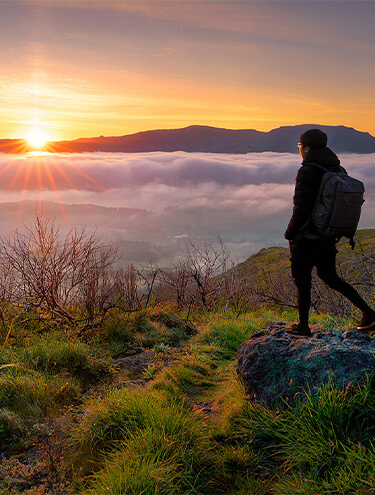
274 365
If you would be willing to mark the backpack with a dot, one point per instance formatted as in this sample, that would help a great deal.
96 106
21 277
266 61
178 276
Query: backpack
338 205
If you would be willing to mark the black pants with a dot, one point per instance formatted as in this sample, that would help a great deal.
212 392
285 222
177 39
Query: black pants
321 253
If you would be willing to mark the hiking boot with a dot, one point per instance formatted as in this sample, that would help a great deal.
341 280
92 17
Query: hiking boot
298 331
367 322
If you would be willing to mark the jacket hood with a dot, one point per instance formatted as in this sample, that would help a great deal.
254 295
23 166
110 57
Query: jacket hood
323 156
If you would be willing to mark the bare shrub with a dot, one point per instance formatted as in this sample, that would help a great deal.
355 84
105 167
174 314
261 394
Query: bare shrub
274 285
198 280
7 289
54 274
127 284
175 285
134 287
357 268
270 278
237 291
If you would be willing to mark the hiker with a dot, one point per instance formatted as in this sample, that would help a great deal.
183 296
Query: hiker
309 249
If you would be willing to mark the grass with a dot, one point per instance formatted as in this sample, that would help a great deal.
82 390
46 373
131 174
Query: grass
324 444
146 328
227 335
29 398
54 353
153 439
163 447
150 440
41 377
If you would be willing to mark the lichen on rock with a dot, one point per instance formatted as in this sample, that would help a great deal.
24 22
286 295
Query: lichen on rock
274 365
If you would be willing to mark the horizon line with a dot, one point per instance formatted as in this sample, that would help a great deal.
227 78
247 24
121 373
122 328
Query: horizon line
187 127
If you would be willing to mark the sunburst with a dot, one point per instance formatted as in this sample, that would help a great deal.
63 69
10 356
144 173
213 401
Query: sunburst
37 137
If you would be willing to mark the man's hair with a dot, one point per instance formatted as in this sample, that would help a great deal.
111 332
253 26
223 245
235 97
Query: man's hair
313 138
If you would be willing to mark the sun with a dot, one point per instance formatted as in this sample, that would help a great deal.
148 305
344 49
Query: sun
37 137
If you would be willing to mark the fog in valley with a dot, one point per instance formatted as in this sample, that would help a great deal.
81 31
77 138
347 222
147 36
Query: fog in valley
150 203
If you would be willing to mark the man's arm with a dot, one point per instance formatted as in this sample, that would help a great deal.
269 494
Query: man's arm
307 187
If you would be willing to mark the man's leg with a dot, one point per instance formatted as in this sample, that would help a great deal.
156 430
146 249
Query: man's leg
326 267
304 302
301 263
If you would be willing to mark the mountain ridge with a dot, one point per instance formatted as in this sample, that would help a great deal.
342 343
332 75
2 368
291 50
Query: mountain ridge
205 139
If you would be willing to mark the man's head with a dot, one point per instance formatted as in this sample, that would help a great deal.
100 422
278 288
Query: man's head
311 140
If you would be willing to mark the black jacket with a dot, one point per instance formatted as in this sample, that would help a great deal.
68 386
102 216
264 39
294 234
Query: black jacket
307 187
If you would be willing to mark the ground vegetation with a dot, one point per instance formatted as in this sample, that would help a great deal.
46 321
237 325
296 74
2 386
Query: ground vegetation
144 398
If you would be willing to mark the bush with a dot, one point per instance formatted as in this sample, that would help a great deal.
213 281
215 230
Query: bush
117 333
33 396
172 321
148 328
11 426
55 353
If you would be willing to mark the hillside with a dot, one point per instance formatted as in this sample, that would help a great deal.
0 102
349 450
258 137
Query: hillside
267 276
103 391
206 139
277 257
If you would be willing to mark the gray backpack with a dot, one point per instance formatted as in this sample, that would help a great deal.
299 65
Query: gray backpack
338 206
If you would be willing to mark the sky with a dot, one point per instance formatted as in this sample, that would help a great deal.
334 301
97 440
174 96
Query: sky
83 69
158 200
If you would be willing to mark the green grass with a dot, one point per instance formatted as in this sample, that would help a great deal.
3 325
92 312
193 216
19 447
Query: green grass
30 398
159 460
151 440
162 445
326 442
146 328
227 334
152 461
55 353
38 380
34 395
111 419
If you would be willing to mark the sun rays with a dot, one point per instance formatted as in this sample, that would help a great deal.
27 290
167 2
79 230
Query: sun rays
44 175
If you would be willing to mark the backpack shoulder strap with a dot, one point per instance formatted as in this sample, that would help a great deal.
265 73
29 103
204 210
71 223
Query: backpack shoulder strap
341 171
325 170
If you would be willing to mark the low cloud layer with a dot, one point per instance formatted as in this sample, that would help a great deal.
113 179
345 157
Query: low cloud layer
95 172
164 197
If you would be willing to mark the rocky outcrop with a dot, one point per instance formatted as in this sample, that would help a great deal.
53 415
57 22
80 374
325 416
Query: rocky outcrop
274 365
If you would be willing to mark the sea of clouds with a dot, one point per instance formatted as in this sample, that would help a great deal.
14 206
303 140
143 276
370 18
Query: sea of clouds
166 197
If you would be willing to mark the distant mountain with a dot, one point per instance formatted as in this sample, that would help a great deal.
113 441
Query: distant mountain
207 140
14 146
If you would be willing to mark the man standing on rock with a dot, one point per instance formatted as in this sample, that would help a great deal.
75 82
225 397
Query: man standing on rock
309 249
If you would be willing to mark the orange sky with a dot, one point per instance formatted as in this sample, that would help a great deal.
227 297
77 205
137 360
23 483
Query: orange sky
81 69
